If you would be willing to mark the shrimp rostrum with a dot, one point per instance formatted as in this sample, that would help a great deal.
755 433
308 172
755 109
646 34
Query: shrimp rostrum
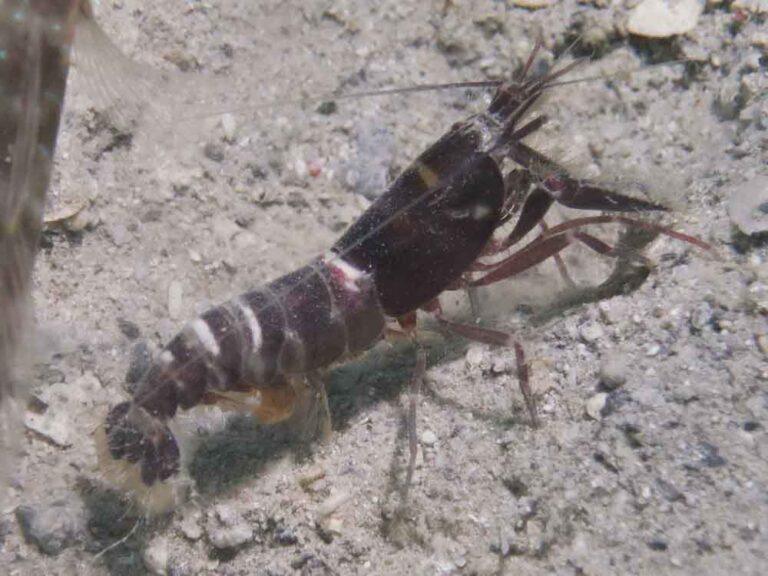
433 230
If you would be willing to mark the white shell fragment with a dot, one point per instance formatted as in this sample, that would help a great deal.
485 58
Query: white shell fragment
72 217
664 18
748 206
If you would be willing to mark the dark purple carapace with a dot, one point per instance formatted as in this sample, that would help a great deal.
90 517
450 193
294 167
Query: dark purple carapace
430 232
35 40
432 223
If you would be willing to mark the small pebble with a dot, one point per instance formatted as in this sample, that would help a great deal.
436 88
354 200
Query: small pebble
504 544
285 537
53 426
190 527
669 491
748 206
474 356
213 152
613 371
229 125
155 556
658 545
311 565
428 438
300 167
175 291
228 529
762 343
120 234
151 215
595 406
334 525
517 487
332 503
51 527
591 332
224 537
664 18
701 317
751 426
709 455
327 108
311 477
652 350
128 328
501 366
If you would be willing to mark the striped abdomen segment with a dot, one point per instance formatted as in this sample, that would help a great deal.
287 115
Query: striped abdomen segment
300 322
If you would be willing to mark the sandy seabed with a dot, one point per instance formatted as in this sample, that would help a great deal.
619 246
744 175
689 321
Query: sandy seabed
652 457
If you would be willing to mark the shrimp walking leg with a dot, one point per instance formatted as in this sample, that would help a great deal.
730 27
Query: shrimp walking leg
415 390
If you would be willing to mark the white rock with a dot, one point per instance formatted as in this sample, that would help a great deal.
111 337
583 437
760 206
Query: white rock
748 206
223 537
474 356
334 525
155 556
229 125
300 167
175 291
664 18
594 406
501 366
226 514
55 428
190 527
652 350
228 529
429 438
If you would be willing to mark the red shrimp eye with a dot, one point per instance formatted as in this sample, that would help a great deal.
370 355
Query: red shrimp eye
554 184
